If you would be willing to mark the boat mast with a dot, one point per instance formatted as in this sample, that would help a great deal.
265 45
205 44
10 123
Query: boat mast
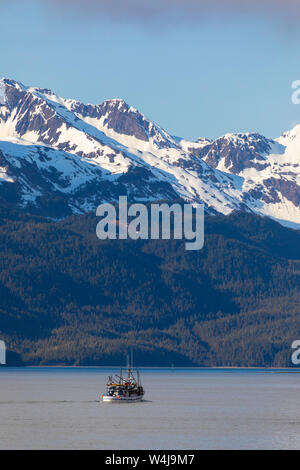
130 363
128 366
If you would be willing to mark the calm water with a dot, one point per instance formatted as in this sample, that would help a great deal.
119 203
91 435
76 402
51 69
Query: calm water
59 408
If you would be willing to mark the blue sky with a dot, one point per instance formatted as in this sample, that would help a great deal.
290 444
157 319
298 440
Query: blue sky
194 78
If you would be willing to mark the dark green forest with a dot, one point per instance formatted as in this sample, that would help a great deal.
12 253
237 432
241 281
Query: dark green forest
69 298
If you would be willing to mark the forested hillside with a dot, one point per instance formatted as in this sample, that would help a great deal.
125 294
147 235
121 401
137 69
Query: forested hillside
69 298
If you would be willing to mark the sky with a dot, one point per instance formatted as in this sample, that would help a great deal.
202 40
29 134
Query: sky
196 73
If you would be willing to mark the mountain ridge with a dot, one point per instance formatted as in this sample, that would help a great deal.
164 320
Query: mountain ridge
51 147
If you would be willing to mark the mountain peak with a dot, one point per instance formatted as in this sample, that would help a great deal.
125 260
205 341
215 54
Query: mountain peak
117 104
13 83
116 101
290 135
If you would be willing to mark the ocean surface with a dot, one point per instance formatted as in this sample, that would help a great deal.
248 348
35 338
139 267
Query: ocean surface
60 408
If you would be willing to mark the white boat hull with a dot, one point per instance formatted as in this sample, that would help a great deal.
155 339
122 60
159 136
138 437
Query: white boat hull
108 399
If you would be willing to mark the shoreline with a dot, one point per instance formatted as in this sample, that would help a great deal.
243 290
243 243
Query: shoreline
229 368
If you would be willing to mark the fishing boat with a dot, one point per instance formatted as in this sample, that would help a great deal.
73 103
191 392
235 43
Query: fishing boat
126 388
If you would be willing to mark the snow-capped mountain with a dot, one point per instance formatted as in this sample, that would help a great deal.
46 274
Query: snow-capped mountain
60 156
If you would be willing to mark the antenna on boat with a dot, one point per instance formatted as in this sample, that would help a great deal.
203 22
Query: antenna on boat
128 366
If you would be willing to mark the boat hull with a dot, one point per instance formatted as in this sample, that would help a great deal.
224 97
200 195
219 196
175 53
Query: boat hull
108 399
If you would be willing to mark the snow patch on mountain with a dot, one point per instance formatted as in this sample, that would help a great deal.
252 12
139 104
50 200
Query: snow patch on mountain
2 93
